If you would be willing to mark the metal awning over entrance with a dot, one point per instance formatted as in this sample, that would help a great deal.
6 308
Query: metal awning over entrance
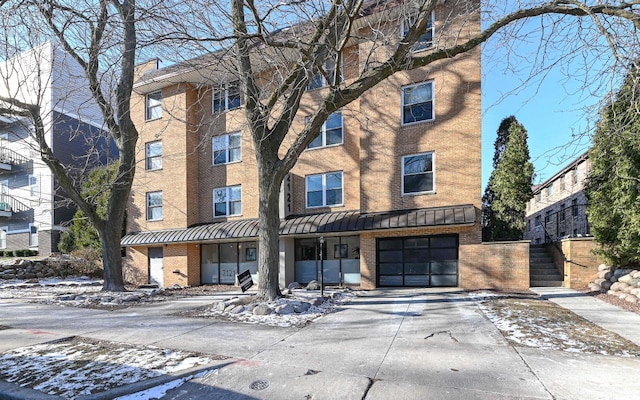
326 223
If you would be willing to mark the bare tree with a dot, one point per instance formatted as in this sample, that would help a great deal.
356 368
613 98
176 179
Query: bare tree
276 50
100 38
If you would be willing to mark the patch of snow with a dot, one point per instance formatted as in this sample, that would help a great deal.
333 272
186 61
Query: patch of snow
81 367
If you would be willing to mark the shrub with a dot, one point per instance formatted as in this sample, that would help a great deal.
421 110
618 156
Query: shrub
87 261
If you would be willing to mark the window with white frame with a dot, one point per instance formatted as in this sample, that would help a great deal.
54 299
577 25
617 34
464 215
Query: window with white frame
153 108
3 237
33 236
418 173
324 189
417 103
425 40
226 148
331 132
227 201
34 186
154 206
319 80
227 97
153 155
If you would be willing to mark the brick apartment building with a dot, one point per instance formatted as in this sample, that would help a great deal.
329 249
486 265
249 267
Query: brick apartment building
395 194
558 207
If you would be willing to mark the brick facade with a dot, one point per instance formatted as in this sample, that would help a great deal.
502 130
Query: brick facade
503 265
559 205
581 264
370 157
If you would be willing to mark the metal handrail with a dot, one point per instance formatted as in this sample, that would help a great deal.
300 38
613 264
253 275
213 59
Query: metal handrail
9 156
11 204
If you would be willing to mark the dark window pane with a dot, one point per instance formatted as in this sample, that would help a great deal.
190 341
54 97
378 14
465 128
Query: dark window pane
444 267
334 136
444 280
444 254
314 199
317 142
444 241
416 268
390 255
390 244
221 209
219 157
418 183
417 112
334 196
390 269
391 280
416 280
418 255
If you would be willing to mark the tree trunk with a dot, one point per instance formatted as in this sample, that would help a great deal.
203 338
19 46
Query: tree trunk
112 258
269 226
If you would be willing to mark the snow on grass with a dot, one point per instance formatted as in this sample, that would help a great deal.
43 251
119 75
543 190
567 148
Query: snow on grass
533 322
81 366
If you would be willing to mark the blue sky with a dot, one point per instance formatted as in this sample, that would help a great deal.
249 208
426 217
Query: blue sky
555 105
558 127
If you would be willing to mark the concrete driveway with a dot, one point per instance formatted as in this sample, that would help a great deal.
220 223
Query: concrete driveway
401 344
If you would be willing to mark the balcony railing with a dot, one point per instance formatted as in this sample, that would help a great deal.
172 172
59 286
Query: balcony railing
10 158
10 205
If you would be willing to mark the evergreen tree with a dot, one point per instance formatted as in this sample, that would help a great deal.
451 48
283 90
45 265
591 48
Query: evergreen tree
509 188
82 234
613 187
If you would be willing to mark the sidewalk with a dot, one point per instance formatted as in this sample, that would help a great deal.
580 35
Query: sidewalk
409 344
615 319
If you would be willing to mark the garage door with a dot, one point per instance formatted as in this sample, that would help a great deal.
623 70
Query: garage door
423 261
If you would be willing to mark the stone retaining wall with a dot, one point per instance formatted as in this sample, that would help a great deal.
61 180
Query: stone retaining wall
28 269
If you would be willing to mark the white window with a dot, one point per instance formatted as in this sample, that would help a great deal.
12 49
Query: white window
318 80
324 189
417 103
3 237
154 206
331 132
33 236
153 106
34 186
418 174
425 40
227 148
227 97
227 201
549 190
153 155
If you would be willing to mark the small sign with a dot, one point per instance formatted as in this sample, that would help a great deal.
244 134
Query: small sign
245 280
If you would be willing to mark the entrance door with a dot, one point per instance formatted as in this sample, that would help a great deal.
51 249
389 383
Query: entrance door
422 261
156 266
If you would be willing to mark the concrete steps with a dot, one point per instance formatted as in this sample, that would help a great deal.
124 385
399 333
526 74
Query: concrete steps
542 270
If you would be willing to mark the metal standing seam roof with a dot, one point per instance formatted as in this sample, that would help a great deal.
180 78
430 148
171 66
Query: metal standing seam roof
336 222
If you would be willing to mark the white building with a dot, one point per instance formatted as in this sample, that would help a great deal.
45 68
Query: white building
32 212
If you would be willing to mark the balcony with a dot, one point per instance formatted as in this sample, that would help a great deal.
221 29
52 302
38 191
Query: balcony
9 206
10 159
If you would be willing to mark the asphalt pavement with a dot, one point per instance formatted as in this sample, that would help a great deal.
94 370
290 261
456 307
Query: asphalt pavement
400 344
